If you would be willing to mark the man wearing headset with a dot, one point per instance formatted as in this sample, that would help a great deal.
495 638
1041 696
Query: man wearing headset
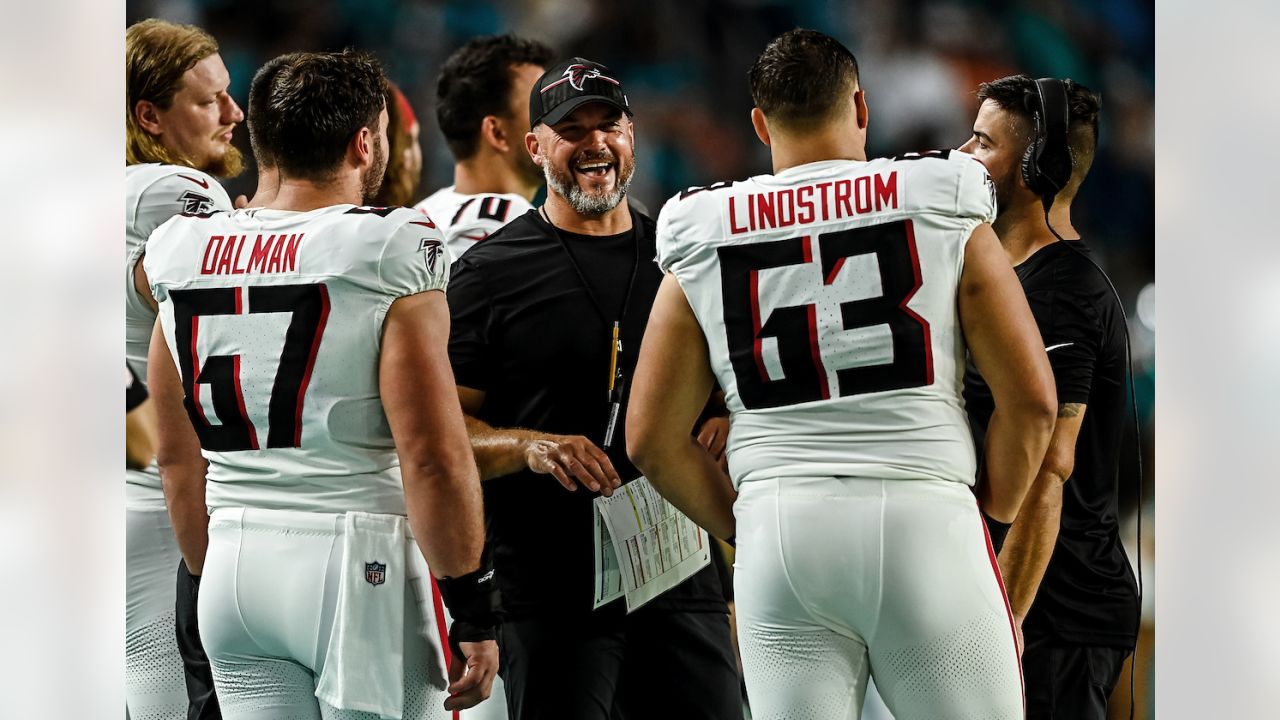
1069 581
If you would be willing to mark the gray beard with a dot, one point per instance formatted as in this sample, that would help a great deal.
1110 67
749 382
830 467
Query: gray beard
584 203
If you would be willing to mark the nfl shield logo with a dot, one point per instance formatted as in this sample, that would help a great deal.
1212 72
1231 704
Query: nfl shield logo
375 573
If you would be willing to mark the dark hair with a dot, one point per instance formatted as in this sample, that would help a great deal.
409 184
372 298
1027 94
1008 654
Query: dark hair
259 90
1010 94
802 78
476 81
316 103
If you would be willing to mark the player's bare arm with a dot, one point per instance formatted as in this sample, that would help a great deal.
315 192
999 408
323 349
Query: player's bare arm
182 467
1031 540
440 481
673 381
1005 343
441 486
572 459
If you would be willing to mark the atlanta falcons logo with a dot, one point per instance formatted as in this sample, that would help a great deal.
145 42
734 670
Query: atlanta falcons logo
431 253
195 203
577 74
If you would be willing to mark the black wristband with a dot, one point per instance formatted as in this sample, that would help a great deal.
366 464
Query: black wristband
732 541
997 530
475 604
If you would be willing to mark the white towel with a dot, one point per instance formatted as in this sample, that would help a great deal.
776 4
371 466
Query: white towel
364 667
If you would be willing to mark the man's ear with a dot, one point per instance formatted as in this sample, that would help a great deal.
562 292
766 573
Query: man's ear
760 124
360 149
860 106
148 117
494 132
533 147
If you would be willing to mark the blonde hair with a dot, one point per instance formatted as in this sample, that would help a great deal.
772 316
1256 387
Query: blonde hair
157 54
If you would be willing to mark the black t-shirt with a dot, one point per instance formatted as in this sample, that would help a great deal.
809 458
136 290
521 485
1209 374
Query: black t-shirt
525 331
1088 594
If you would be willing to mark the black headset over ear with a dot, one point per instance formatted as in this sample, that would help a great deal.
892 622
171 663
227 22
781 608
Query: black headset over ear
1046 165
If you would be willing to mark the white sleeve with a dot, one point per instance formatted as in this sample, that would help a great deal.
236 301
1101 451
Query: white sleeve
414 258
668 238
181 191
975 192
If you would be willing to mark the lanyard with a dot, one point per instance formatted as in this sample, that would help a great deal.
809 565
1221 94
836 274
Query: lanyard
617 380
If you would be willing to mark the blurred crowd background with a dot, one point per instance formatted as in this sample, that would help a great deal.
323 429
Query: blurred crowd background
684 65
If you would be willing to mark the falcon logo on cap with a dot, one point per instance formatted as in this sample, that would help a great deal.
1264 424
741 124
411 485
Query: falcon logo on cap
577 74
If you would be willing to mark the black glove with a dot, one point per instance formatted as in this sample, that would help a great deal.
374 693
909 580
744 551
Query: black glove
475 605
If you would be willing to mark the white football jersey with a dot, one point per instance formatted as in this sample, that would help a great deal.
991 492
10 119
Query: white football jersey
153 194
274 319
827 294
468 219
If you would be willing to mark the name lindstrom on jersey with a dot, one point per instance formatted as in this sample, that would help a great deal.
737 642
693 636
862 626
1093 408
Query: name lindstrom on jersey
269 254
830 200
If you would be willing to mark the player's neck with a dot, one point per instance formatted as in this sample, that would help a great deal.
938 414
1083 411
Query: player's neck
563 216
489 174
268 186
298 195
1023 232
834 142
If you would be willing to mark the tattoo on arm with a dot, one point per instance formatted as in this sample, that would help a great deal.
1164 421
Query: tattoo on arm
1069 410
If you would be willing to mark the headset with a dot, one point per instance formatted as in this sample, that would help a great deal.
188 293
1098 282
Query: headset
1046 165
1046 169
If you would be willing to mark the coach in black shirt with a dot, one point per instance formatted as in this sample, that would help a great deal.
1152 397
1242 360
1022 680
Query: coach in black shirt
1068 579
534 311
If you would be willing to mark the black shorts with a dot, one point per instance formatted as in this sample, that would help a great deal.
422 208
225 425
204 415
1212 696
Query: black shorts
1069 682
645 665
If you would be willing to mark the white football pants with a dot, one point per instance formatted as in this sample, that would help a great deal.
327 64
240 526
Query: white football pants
155 688
267 603
838 578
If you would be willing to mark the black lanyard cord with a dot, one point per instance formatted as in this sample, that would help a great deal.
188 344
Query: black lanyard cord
577 269
617 379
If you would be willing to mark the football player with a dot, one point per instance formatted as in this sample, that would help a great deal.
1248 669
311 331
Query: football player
482 98
834 300
301 357
178 126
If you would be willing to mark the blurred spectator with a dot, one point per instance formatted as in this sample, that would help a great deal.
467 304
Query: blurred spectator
404 156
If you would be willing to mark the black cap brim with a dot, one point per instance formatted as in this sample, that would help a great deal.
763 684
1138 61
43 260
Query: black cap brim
561 111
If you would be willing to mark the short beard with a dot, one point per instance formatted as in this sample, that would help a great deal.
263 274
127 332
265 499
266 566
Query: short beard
371 180
1004 190
589 205
229 165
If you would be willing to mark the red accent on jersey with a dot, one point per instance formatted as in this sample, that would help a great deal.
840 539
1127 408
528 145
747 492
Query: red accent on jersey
195 368
311 364
924 324
835 270
235 374
755 324
815 350
201 182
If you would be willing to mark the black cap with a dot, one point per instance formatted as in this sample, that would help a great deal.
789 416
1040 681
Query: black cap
568 85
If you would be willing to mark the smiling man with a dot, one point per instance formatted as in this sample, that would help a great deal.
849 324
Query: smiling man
538 310
179 121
